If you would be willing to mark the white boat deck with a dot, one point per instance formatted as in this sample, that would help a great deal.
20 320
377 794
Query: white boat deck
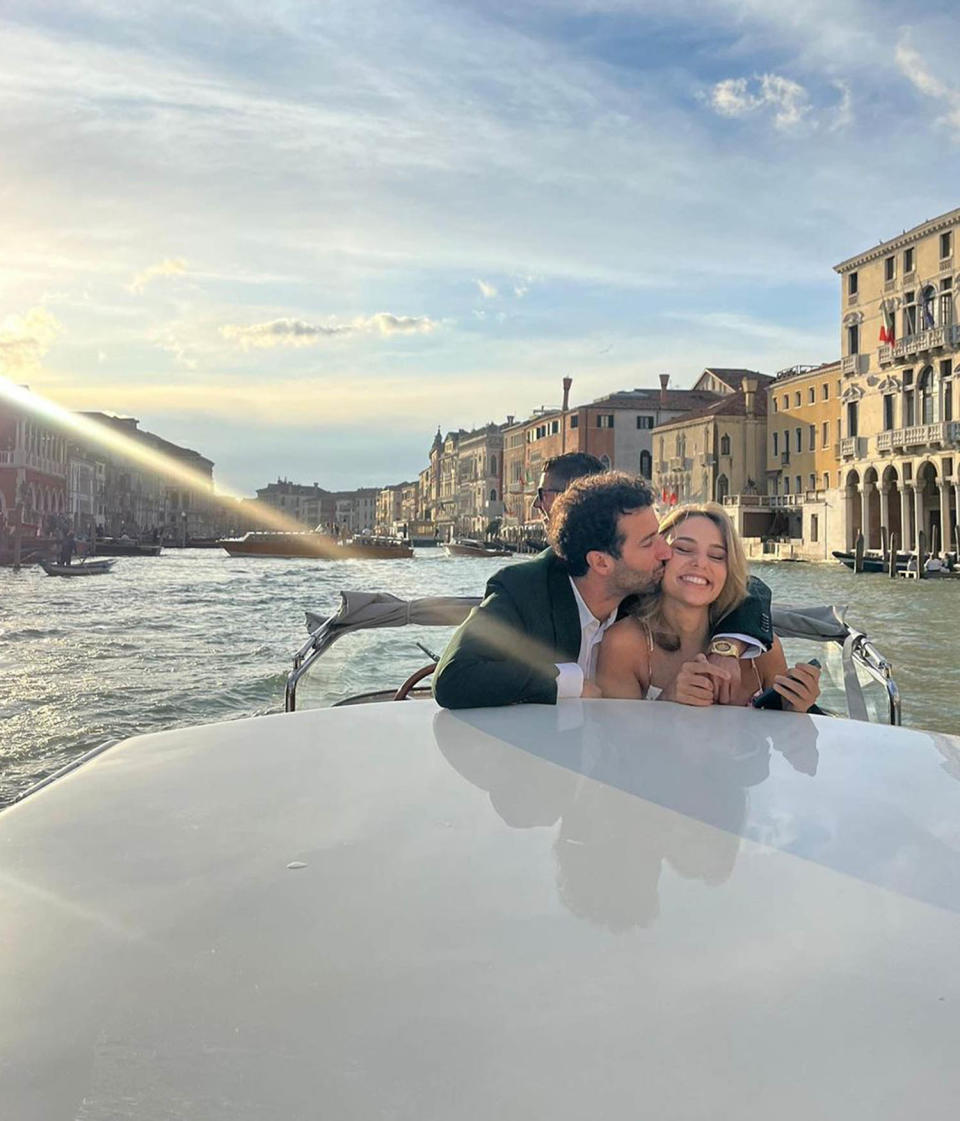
602 909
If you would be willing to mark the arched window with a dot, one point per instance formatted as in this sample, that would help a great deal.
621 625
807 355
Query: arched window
493 494
493 465
646 464
724 445
925 397
723 487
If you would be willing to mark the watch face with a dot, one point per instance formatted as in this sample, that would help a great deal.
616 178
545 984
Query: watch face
721 646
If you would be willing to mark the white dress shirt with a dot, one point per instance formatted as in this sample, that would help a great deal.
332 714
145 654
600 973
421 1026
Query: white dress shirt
573 674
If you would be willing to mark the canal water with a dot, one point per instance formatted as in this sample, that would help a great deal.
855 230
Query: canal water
195 636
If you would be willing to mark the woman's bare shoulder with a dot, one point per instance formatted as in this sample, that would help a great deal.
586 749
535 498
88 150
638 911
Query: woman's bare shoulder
626 634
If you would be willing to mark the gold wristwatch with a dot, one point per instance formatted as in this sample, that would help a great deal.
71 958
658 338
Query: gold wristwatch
724 647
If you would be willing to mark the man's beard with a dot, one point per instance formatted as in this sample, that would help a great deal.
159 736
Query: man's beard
631 582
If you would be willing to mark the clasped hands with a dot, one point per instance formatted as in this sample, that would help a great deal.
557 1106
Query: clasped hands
715 679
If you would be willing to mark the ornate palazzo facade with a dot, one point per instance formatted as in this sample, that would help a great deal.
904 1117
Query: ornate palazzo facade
900 342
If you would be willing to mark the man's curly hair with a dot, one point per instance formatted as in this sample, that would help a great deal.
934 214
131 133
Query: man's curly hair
585 516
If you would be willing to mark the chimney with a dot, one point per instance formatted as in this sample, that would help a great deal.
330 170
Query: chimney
749 395
567 382
664 382
509 418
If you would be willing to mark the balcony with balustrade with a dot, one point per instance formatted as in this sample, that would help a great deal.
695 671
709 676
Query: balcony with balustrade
946 434
853 447
935 338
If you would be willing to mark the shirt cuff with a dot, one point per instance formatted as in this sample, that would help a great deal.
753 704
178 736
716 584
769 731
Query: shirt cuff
569 680
753 648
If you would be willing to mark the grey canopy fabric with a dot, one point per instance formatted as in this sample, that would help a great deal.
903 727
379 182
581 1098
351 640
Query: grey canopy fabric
363 610
824 623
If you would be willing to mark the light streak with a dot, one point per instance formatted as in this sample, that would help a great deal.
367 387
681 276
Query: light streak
91 432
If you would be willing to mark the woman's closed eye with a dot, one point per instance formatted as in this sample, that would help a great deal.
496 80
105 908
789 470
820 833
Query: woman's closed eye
690 550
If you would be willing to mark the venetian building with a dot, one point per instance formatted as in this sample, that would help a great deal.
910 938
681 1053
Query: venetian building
803 460
479 479
899 441
718 451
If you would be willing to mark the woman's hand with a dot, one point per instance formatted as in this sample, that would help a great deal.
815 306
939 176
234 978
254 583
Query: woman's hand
800 687
698 683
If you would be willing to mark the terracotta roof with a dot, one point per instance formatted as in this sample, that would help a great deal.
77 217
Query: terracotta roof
734 378
679 399
731 405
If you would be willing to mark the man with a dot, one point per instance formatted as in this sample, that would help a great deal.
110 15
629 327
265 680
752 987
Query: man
67 547
534 637
558 473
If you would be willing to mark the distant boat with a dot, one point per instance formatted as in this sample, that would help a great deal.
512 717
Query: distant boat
468 547
872 563
125 547
320 546
83 568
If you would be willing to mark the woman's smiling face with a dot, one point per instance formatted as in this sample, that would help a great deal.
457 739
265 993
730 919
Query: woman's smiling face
697 571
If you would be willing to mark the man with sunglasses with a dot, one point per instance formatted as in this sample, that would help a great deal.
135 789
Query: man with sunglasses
558 473
535 637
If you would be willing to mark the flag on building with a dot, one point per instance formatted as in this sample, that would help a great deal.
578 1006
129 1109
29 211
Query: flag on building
888 329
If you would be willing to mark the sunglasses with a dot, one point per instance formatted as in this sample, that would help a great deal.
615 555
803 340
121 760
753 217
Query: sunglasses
541 491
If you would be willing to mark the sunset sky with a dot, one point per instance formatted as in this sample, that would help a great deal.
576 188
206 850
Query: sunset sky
300 236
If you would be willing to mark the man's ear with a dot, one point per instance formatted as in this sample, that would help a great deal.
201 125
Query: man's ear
599 562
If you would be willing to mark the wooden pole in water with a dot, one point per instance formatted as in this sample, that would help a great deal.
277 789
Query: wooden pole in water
884 542
921 541
892 558
858 554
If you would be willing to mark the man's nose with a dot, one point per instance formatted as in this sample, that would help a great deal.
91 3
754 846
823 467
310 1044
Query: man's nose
665 551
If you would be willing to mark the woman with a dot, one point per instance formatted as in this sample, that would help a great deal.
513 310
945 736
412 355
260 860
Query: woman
706 578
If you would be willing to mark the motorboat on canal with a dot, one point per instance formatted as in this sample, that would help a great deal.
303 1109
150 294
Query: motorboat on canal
469 547
317 545
84 567
872 562
594 908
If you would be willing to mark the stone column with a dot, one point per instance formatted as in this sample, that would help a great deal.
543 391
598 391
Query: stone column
946 530
885 508
956 517
865 513
918 515
906 522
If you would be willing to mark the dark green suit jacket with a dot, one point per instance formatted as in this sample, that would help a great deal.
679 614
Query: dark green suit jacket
506 651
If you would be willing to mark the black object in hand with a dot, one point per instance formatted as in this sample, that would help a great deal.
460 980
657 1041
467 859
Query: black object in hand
770 698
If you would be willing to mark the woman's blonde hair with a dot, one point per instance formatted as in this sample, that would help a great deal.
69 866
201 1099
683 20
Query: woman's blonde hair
734 590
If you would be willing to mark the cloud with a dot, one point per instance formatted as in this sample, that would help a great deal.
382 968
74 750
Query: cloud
295 332
24 340
487 290
915 67
170 266
842 115
788 100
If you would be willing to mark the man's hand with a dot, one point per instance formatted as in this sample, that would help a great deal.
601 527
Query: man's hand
699 682
725 689
591 689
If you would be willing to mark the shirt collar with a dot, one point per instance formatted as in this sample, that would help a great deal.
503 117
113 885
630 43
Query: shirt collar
587 617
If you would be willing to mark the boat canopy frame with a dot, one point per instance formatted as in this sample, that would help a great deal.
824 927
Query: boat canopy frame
371 610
